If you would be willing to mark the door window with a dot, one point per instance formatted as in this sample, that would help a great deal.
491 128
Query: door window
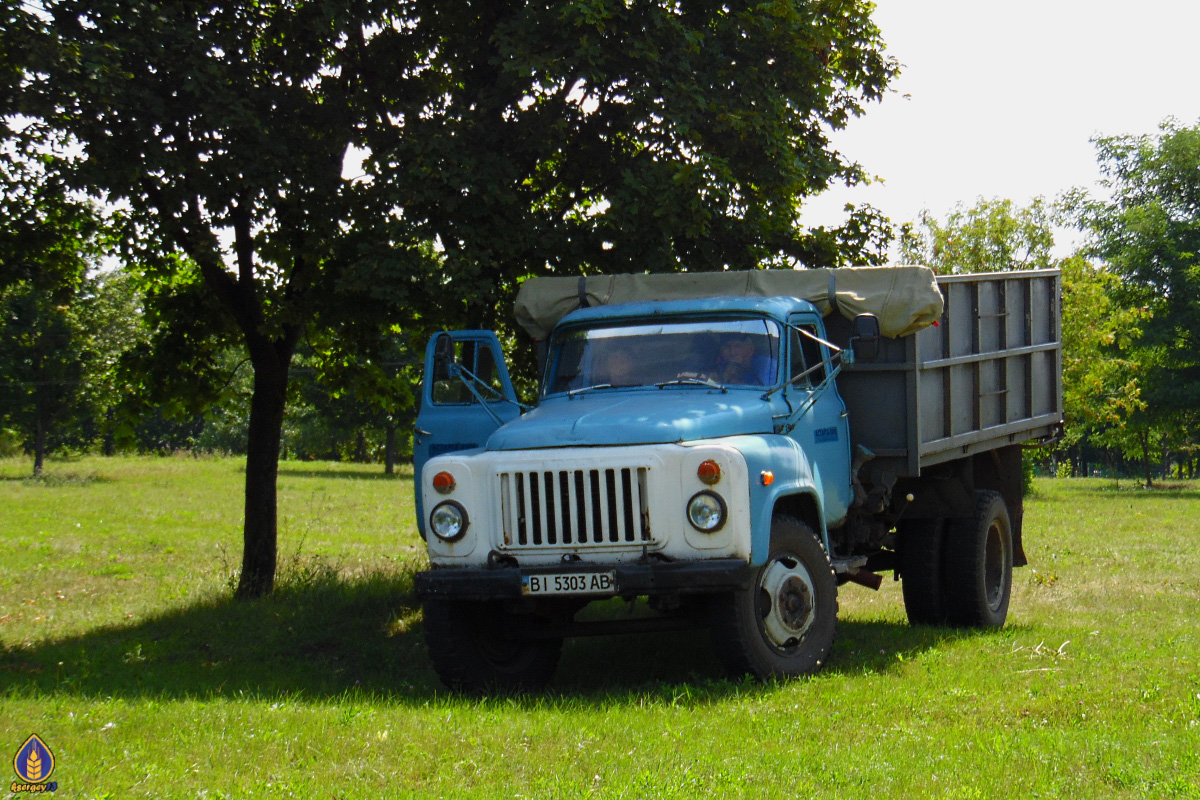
806 354
481 361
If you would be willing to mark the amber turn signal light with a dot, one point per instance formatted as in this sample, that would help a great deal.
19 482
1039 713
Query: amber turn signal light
709 472
443 483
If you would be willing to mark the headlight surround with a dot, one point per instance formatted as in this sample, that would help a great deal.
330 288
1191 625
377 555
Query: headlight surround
449 521
707 512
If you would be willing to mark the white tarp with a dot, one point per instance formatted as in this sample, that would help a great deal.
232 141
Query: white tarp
905 298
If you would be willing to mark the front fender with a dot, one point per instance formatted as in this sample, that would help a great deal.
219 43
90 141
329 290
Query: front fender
793 474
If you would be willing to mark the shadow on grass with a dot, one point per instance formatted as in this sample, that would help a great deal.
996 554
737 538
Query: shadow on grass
55 480
324 637
317 636
379 475
1130 490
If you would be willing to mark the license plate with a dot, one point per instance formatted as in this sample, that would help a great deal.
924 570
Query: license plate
569 583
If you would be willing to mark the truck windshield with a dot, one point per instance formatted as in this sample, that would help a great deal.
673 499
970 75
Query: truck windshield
725 352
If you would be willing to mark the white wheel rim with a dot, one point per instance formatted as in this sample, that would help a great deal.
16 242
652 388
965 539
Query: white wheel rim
791 610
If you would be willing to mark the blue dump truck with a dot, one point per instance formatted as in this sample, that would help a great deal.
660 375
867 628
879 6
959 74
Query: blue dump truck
727 450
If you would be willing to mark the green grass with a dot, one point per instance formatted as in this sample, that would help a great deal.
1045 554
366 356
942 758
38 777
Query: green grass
122 650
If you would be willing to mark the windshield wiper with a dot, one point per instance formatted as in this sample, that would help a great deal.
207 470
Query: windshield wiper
576 392
709 382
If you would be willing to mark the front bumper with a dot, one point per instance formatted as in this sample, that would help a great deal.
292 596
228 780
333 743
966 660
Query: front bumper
631 580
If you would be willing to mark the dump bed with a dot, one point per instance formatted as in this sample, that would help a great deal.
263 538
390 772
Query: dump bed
988 374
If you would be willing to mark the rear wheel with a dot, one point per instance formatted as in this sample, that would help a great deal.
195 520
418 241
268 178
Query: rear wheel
783 623
921 543
979 561
478 647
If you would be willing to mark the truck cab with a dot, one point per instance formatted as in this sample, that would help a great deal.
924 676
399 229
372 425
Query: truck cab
665 437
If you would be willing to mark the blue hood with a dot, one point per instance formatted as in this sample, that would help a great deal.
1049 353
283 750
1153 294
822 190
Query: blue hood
606 417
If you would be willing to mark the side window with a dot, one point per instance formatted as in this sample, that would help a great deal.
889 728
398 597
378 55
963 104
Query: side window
806 354
479 359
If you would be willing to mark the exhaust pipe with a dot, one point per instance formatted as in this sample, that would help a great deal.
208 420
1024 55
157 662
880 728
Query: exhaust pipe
871 580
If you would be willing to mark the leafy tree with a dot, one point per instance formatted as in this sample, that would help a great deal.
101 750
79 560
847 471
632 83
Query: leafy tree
991 236
41 366
112 323
503 139
365 382
48 241
1148 232
1102 376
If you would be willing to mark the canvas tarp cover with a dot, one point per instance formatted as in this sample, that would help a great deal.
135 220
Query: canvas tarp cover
905 299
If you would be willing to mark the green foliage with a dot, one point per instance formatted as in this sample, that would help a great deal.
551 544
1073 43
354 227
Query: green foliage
1102 380
1148 232
48 241
41 363
991 236
616 138
48 238
10 443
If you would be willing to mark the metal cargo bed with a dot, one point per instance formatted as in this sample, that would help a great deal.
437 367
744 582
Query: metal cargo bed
986 375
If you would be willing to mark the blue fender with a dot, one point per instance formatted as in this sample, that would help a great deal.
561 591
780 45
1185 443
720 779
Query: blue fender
794 475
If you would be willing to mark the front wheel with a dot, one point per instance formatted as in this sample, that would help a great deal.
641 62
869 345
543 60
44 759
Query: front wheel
478 647
783 623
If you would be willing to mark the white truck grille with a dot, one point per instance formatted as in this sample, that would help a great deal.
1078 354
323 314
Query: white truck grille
602 507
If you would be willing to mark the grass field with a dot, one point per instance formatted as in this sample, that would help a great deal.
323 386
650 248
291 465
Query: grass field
120 647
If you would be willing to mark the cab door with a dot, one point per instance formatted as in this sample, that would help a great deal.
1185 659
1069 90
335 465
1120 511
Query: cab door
819 418
466 394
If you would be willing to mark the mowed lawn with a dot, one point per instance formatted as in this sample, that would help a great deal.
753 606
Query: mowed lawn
121 648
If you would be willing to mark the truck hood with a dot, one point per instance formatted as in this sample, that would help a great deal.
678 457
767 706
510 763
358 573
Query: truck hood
638 417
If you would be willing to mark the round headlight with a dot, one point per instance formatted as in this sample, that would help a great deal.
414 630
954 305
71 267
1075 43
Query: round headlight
449 521
706 512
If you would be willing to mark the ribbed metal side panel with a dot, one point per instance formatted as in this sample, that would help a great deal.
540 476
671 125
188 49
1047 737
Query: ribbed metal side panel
604 506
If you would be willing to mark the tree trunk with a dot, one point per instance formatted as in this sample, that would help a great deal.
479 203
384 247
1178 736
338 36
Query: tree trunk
39 441
360 447
262 468
1146 459
389 450
110 439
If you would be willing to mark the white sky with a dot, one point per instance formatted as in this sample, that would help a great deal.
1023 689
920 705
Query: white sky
1002 98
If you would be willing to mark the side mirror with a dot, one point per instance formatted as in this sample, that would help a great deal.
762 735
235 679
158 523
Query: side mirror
865 336
443 357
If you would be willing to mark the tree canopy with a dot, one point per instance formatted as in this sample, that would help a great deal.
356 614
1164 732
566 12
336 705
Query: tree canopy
990 236
1148 232
48 242
501 139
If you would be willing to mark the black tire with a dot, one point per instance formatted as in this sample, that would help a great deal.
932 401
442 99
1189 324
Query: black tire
783 623
978 565
477 647
921 550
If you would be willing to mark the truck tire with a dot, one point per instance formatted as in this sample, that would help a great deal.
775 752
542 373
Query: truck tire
474 649
783 623
921 551
978 565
